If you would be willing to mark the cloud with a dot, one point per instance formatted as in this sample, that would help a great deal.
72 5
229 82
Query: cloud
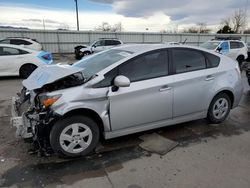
33 17
181 11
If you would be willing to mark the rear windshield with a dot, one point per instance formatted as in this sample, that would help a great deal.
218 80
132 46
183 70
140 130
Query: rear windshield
210 45
95 63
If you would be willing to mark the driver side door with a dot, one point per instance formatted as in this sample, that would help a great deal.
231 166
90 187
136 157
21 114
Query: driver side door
149 97
98 46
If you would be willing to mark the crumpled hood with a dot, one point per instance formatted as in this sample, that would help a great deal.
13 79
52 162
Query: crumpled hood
49 74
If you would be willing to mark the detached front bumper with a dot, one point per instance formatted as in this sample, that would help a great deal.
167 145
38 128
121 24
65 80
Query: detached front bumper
23 127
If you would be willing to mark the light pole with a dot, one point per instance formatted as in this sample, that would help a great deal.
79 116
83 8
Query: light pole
77 19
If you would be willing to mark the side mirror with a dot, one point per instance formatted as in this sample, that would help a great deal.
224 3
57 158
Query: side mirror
120 81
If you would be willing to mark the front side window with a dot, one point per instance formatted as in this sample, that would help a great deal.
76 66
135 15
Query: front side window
186 60
211 45
146 66
8 51
6 41
224 47
99 43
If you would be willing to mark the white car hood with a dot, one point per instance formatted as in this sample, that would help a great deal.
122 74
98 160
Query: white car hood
49 74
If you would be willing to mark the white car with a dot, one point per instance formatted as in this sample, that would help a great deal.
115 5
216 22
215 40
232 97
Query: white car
19 61
23 42
97 46
234 49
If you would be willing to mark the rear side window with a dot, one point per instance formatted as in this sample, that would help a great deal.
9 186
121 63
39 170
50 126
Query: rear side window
112 42
8 51
186 60
241 45
234 45
116 42
19 42
212 60
146 66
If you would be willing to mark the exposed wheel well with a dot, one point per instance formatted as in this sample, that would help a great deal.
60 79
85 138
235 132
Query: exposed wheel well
230 94
26 65
240 57
89 113
22 71
86 51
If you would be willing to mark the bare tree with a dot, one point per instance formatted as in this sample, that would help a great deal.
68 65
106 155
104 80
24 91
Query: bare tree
106 27
117 27
202 27
239 20
191 30
226 21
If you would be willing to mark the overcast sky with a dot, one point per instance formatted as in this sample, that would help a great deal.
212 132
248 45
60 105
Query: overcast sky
135 15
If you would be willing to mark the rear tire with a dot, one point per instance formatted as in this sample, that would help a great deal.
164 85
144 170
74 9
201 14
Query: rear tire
240 60
219 108
26 70
74 136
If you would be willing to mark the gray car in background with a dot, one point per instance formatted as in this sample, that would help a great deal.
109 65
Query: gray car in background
124 90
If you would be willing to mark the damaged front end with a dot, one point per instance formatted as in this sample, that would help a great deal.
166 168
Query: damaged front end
30 119
31 110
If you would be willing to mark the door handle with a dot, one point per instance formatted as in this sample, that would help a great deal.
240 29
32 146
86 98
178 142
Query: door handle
165 88
210 77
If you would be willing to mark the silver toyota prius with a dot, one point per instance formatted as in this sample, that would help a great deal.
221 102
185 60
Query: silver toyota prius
124 90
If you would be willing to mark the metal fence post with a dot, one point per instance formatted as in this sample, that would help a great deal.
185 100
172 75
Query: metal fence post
58 43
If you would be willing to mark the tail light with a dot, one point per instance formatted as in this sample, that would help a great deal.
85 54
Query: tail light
47 57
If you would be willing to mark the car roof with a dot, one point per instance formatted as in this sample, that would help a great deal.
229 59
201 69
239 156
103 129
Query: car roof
225 40
140 48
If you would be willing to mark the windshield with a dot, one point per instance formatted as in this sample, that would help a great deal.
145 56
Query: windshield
210 45
95 63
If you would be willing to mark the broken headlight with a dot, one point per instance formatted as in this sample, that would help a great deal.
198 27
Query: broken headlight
47 101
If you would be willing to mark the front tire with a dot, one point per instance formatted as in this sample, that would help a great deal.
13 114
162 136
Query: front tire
74 136
219 108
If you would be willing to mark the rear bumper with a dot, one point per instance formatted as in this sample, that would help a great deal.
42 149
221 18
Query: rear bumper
23 128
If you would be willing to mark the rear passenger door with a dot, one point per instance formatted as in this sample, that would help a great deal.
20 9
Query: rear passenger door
193 82
234 49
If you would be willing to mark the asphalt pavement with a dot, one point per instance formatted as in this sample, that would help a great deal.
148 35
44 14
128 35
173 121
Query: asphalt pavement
216 156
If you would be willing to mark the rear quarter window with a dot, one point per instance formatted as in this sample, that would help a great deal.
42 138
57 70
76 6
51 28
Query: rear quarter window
212 60
241 45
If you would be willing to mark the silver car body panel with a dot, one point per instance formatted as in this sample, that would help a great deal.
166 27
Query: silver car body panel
155 102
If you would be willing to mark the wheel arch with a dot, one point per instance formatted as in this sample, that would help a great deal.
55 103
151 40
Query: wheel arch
24 64
89 113
229 93
241 55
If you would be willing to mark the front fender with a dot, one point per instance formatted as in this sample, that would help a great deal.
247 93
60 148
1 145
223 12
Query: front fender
100 107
